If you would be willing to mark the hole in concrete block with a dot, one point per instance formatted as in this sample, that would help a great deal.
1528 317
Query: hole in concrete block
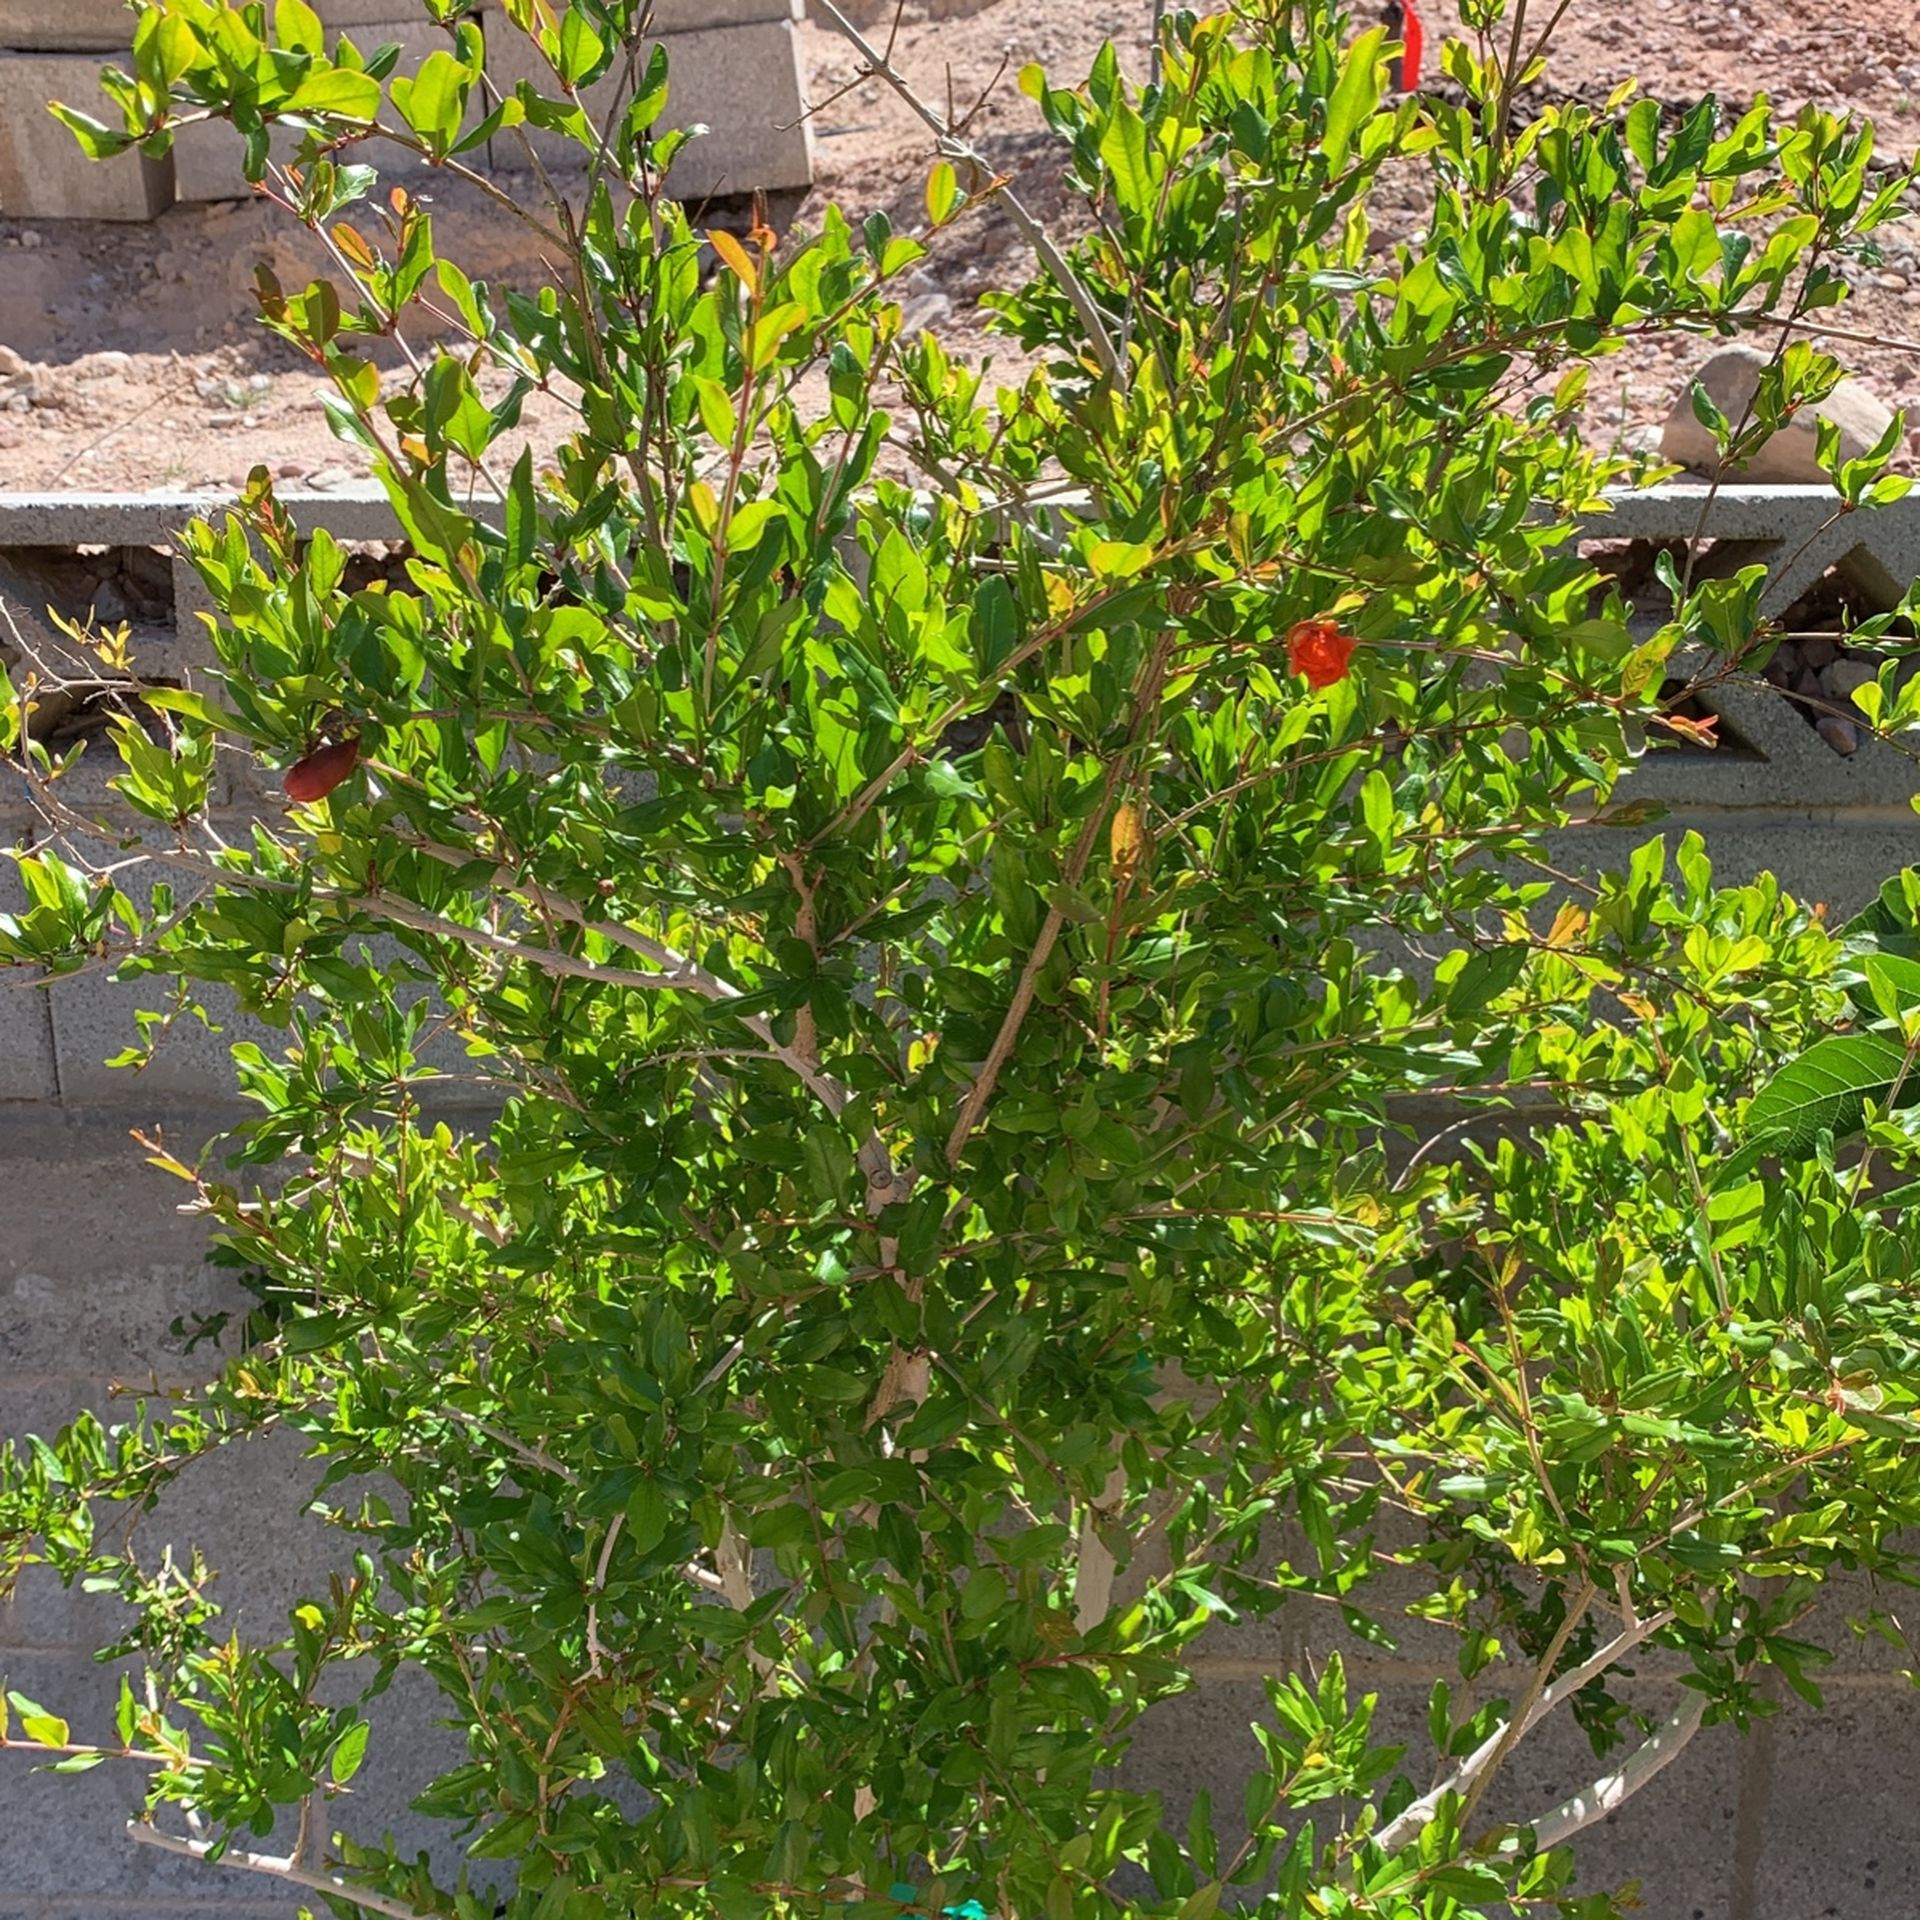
85 621
1630 568
375 563
1816 669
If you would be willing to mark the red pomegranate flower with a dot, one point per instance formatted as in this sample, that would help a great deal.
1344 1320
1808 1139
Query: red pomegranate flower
1318 649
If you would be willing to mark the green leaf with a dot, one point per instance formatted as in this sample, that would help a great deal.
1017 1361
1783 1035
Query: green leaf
1485 978
339 93
433 101
349 1751
1123 146
44 1729
1355 99
97 142
1825 1090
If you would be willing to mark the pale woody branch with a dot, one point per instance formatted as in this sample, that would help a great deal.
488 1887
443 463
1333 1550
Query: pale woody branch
1613 1790
276 1866
1405 1828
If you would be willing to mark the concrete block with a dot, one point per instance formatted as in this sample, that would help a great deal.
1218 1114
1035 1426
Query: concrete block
1880 549
1784 763
26 1023
43 173
243 1508
26 1042
687 16
1831 859
1679 1842
152 519
66 26
1837 1838
63 1839
741 82
192 639
94 1021
64 1836
1305 1631
1863 1654
96 1261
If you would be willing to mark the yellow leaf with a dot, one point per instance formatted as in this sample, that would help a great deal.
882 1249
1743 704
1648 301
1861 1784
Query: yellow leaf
735 255
1127 842
353 244
1568 925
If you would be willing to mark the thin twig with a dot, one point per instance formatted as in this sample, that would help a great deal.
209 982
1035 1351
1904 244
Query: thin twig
596 1652
953 147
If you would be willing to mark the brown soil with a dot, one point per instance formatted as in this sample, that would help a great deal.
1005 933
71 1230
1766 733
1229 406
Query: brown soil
129 357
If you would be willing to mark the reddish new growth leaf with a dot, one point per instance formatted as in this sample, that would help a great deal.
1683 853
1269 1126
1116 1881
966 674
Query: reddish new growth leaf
1318 649
321 771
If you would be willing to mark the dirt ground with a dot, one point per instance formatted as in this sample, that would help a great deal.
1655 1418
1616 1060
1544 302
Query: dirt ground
129 357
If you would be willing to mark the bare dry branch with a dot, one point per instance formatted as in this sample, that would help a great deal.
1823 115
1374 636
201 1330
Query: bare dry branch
953 147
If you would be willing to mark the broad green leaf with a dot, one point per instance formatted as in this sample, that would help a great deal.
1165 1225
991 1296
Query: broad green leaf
1826 1090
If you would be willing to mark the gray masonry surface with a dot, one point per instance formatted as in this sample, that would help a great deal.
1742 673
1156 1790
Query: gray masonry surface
1806 1817
734 70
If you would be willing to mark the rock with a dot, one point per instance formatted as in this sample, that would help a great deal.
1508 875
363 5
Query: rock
1839 680
101 366
1817 653
332 479
12 366
924 312
1839 734
109 604
1732 377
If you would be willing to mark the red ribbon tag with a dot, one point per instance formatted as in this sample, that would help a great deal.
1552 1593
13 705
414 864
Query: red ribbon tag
1413 37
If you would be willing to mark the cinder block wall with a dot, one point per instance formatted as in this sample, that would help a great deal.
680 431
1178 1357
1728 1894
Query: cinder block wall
1807 1817
734 69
